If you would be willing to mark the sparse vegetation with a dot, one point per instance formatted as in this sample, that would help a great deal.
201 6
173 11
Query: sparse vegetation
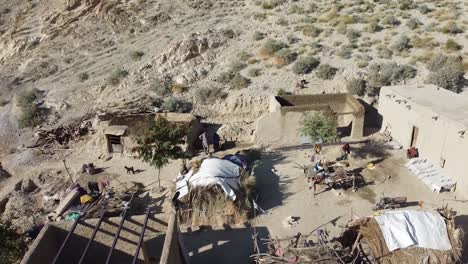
282 92
423 9
162 87
136 55
210 95
254 72
356 86
239 82
451 28
271 46
83 76
258 35
31 114
311 31
305 65
284 57
116 76
383 74
401 44
320 126
12 246
413 23
390 20
173 104
345 51
446 72
452 45
326 71
352 34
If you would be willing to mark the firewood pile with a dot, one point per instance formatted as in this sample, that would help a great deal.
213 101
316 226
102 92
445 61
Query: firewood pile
62 135
313 248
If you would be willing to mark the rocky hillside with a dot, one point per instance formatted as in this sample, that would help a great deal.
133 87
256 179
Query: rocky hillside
63 59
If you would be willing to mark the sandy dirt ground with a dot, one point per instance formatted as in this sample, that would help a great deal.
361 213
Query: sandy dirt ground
284 191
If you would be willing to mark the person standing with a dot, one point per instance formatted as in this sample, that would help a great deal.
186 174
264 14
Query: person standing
204 140
216 141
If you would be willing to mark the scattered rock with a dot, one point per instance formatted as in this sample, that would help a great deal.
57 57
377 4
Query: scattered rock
27 185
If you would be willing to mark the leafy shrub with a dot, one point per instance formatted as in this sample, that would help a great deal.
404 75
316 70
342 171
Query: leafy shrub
423 9
451 28
284 57
12 246
362 64
162 87
384 52
356 86
136 55
452 45
239 82
116 76
446 72
237 66
406 4
401 44
326 71
254 72
373 26
305 65
210 95
228 33
173 104
413 23
270 4
353 35
345 51
320 126
244 55
31 114
258 35
311 31
83 76
341 28
282 92
225 77
390 20
271 46
383 74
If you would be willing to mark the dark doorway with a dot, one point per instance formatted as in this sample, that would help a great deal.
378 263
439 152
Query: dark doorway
414 136
115 144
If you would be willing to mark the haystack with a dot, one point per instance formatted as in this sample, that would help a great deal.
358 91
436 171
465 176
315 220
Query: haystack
211 206
375 246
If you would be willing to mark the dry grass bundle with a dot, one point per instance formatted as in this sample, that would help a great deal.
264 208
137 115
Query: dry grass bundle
373 238
209 206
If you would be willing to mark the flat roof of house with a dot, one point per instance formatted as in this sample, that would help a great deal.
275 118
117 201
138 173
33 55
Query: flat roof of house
441 101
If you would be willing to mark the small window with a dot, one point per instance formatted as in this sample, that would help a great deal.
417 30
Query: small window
442 162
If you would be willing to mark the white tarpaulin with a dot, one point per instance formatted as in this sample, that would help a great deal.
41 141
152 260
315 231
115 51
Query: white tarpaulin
431 175
425 229
212 171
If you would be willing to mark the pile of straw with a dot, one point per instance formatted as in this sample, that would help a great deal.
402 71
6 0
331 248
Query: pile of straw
209 206
370 231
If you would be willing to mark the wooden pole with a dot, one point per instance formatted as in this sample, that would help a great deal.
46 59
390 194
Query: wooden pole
68 172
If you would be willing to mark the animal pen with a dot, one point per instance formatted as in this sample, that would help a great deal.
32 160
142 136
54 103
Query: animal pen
365 240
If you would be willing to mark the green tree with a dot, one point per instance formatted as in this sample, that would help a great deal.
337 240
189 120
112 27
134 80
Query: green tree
161 144
12 246
319 126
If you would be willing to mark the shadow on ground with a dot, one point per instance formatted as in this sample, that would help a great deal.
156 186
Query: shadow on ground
223 246
270 187
373 150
